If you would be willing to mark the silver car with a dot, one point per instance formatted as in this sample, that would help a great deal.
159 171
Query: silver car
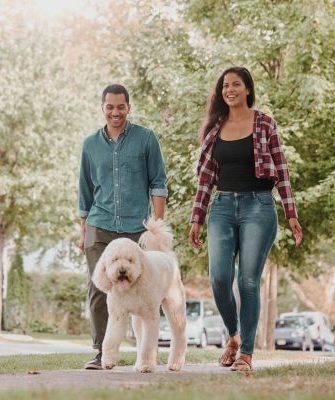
204 325
319 327
292 333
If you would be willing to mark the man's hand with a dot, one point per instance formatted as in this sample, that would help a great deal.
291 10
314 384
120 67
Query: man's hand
296 230
81 243
194 235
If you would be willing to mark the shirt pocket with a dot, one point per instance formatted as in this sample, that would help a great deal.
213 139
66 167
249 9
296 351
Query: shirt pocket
135 164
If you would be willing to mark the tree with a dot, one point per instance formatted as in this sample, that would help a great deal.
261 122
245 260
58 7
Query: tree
15 316
58 302
48 103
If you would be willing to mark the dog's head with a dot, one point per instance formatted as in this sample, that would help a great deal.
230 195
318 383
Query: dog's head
119 264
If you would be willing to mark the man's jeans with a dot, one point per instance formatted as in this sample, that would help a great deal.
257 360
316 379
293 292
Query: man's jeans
96 240
242 224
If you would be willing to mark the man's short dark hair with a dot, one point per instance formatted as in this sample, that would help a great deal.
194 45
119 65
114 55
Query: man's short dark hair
115 89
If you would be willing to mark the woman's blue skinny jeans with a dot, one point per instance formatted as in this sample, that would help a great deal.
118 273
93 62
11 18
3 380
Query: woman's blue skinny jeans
242 224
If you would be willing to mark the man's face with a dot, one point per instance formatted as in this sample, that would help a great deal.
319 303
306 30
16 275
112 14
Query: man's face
115 109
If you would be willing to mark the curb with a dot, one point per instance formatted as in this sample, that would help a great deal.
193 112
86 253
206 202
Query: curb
16 338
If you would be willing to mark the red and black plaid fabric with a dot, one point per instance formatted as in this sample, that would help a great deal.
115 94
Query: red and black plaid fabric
270 163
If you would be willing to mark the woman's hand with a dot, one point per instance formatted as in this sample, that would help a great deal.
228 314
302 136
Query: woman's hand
194 235
296 230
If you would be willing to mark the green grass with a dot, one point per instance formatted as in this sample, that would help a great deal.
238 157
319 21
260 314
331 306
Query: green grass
22 363
36 362
307 382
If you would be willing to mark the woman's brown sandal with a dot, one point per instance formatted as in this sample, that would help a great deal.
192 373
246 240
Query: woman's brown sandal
229 355
241 364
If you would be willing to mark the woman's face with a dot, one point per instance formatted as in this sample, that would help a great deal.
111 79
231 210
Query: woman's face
234 91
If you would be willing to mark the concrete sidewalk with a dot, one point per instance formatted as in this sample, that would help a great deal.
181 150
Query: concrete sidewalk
125 377
23 345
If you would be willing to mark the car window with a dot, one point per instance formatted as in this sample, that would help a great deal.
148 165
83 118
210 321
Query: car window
192 308
288 323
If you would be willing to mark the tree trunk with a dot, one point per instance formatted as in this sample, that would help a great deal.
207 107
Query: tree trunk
268 312
303 297
2 247
263 321
272 307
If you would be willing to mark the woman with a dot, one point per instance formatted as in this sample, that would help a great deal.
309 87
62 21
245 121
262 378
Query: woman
242 156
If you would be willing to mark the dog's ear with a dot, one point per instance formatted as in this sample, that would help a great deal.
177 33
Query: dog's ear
143 260
99 277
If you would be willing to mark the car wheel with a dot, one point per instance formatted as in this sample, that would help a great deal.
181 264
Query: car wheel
203 340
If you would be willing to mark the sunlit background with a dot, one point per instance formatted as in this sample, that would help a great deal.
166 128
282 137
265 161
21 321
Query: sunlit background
58 55
56 8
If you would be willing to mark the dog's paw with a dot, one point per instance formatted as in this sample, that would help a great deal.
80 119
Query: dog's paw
108 364
137 367
175 365
145 369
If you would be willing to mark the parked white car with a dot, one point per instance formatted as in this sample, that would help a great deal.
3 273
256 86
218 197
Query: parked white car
204 325
319 327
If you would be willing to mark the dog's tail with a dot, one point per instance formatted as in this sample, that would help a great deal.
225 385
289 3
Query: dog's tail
158 236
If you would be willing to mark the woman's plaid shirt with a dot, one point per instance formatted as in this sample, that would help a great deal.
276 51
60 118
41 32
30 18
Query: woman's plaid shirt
270 163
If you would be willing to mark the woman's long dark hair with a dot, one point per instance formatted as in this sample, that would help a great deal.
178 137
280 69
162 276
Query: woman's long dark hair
217 108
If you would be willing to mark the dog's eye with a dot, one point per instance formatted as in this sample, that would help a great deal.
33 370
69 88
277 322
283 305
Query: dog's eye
130 260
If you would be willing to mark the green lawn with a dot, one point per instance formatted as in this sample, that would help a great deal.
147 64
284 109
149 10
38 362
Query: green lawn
22 363
307 382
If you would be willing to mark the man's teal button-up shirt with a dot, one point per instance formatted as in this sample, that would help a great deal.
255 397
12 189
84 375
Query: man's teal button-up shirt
117 178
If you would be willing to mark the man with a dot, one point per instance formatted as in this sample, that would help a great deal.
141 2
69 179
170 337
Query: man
121 169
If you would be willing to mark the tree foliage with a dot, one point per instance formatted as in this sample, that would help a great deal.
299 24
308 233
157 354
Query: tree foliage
47 105
58 301
288 46
17 300
169 55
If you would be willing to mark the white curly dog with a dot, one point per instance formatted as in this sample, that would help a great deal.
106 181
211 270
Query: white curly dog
137 280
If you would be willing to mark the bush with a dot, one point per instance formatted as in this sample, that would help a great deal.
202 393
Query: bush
42 327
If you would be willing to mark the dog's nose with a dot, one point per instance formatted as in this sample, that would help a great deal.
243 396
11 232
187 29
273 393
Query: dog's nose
122 272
